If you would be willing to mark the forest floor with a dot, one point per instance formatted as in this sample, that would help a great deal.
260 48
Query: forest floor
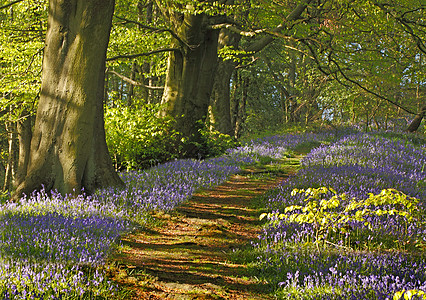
187 254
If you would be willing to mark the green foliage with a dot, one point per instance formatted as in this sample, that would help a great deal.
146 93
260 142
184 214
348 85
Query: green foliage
327 217
407 295
22 32
139 138
236 55
213 143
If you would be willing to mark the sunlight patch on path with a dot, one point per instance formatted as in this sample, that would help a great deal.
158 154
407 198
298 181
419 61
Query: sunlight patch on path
187 255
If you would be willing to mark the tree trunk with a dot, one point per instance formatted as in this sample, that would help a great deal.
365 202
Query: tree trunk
24 140
220 112
189 79
415 124
131 92
242 115
68 148
11 158
147 94
236 83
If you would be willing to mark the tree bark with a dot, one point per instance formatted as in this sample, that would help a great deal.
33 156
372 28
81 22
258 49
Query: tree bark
190 74
220 112
68 149
241 110
24 140
415 124
130 94
266 40
11 157
236 83
220 103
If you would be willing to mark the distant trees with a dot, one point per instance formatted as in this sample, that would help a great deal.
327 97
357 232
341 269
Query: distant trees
22 33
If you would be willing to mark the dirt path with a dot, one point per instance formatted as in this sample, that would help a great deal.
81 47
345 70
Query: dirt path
187 255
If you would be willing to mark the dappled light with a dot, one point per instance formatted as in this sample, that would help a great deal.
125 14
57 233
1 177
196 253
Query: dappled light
212 149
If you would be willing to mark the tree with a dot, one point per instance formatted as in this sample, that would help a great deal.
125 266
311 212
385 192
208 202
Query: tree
190 71
21 46
68 149
137 54
220 105
364 46
230 37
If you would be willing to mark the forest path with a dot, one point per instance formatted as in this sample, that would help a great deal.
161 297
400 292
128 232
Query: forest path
187 254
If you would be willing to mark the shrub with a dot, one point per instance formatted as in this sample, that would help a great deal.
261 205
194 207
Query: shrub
215 143
139 138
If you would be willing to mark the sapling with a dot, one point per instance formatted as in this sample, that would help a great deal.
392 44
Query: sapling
326 215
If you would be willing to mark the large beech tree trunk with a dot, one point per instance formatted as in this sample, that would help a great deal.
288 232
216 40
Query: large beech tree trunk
220 103
68 149
190 74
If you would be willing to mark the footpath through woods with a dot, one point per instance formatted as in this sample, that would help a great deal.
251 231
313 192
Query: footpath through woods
187 254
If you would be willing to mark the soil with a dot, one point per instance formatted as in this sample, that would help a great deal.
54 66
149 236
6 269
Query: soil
187 254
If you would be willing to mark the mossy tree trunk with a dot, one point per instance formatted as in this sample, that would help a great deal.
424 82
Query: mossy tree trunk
220 103
190 74
68 150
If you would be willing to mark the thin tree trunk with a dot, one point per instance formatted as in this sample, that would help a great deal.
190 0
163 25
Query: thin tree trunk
68 148
10 166
235 100
147 94
415 124
241 117
131 87
24 141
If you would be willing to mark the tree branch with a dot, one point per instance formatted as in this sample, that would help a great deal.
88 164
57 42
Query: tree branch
416 38
368 90
279 78
10 4
294 15
142 54
234 29
405 23
154 29
135 83
347 78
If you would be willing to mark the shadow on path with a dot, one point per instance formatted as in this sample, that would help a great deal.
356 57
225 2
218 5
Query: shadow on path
187 256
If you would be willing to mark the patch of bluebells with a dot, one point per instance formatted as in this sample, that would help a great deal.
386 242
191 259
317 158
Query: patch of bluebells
165 186
278 145
345 275
396 156
357 164
22 279
354 180
54 237
49 241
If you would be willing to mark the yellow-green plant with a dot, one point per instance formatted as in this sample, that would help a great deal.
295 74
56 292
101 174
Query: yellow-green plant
409 294
326 214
